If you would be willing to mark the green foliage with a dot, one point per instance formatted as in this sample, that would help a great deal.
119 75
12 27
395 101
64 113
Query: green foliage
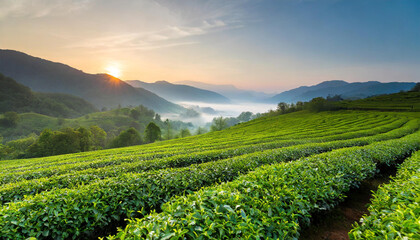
67 140
85 139
152 132
135 113
185 133
44 145
394 212
19 148
200 130
245 116
126 138
321 104
403 101
273 201
19 98
10 119
219 123
108 121
416 88
83 195
98 137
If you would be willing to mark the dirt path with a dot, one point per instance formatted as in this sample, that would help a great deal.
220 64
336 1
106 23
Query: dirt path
335 224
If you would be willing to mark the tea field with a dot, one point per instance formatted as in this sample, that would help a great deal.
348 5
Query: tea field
261 179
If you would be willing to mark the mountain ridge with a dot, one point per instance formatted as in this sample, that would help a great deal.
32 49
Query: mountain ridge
353 90
17 97
230 91
180 92
102 90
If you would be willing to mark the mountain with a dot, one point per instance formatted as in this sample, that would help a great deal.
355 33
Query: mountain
230 91
180 93
100 89
347 90
19 98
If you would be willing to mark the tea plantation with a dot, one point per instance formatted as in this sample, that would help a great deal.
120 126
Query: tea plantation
257 180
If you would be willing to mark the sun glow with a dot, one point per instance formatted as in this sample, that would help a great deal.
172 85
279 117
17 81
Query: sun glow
113 70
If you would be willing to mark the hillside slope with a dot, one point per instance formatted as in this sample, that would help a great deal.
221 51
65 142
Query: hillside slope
404 101
201 180
100 89
339 87
19 98
180 93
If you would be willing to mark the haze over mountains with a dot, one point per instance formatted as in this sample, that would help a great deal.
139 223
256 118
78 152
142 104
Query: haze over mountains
347 90
102 90
230 91
179 92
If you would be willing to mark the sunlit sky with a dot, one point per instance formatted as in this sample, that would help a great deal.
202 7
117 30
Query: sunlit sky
254 44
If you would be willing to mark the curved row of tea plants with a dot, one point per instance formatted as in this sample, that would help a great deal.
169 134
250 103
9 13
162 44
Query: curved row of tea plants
65 213
213 140
192 158
274 201
16 191
395 209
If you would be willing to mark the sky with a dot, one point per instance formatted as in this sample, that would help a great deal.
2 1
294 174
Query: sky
264 45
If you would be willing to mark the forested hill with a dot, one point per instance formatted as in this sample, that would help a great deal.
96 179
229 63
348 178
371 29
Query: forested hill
347 90
100 89
19 98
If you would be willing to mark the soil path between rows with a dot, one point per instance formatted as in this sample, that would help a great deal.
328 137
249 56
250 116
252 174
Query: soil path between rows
336 223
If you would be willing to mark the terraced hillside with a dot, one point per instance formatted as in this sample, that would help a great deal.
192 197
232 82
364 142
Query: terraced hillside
262 178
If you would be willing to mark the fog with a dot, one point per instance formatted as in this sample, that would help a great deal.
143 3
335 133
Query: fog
224 110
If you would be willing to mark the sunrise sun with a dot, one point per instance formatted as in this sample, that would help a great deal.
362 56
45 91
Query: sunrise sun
113 70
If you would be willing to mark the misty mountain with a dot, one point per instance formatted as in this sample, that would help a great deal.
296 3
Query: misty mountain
230 91
19 98
102 90
347 90
180 93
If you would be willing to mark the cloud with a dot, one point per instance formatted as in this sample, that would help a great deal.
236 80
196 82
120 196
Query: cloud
170 36
40 8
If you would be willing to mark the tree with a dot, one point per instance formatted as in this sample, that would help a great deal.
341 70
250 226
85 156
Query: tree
416 87
245 116
43 146
126 138
85 139
335 98
200 130
98 136
219 123
135 113
20 146
10 119
317 104
168 128
282 107
185 132
66 141
152 132
157 118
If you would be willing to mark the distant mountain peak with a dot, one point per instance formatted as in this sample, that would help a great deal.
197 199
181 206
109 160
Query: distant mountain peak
163 82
